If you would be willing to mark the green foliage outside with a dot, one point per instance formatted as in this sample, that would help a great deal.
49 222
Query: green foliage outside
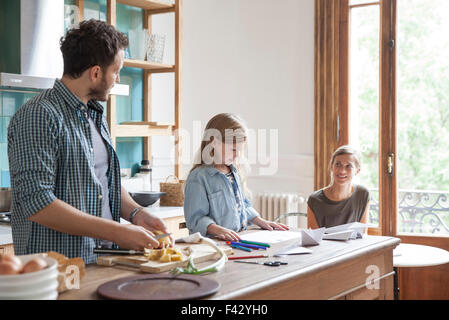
422 94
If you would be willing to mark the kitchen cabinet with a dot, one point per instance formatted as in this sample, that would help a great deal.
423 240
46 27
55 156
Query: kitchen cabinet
148 128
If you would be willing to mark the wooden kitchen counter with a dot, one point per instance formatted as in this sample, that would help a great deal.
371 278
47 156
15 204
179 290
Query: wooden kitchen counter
335 270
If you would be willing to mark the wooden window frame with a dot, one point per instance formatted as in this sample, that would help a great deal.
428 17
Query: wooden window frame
332 87
332 109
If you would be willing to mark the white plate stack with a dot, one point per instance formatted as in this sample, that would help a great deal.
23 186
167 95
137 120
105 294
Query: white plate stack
39 285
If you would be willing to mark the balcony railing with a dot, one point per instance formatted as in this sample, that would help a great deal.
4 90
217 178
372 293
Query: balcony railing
420 211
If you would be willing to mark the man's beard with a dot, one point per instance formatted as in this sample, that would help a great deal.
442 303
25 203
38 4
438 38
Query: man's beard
99 93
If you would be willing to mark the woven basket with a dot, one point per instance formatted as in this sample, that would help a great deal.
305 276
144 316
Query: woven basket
175 193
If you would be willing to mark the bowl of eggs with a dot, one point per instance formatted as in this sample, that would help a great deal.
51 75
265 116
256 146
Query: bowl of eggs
29 277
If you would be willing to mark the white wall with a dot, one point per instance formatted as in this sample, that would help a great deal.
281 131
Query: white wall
250 57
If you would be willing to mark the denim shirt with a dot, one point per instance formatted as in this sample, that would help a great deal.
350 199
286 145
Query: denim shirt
209 198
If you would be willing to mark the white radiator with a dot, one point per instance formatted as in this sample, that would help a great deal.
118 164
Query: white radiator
271 206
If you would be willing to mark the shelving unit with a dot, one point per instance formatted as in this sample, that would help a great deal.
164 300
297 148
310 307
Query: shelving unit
149 66
147 128
149 5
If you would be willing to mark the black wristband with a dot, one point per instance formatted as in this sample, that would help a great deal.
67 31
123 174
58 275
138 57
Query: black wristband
133 213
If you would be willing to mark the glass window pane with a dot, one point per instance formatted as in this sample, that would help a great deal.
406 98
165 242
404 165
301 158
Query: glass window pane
364 98
423 117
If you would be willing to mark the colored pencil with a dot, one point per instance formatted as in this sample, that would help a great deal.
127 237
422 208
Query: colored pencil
248 257
251 246
240 247
256 243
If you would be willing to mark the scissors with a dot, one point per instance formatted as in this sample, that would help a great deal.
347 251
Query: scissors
268 263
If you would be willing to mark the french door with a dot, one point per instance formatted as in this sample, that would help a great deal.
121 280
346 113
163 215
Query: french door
398 115
398 112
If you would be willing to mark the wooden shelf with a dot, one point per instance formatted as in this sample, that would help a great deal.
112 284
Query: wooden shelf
149 123
149 66
131 129
147 128
148 4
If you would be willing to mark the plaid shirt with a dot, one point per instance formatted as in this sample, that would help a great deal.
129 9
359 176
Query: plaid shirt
51 157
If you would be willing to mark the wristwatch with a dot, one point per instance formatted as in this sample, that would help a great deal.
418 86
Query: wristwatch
133 213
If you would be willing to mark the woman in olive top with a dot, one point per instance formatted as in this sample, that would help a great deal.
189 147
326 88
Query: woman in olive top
342 201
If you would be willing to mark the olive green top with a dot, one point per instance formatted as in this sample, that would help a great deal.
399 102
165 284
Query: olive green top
329 213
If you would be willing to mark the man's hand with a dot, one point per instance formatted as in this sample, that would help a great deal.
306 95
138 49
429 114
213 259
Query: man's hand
150 222
135 238
64 218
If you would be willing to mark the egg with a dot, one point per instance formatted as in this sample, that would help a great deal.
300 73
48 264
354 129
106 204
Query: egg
9 268
11 258
34 265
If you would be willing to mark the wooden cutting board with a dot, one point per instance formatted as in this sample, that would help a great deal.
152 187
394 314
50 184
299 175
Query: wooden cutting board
200 252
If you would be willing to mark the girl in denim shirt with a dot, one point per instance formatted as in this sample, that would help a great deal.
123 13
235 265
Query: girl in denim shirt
215 202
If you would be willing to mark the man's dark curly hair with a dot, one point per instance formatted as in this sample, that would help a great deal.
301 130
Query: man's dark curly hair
93 43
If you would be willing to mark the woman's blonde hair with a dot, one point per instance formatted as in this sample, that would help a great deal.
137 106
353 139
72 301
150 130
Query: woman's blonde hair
346 149
228 128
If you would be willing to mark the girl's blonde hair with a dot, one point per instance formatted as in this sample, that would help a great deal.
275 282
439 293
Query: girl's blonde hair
228 128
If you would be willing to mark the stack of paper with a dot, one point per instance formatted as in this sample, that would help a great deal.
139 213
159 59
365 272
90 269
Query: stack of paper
349 231
308 237
274 236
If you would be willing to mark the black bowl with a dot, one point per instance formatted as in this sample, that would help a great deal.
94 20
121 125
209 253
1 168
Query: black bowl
146 198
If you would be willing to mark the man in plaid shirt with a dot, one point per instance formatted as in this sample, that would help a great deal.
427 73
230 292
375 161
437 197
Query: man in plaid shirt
65 174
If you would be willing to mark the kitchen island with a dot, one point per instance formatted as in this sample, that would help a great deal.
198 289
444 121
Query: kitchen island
334 270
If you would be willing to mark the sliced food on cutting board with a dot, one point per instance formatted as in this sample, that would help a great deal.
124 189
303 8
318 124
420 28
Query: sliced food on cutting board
164 255
199 252
165 241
